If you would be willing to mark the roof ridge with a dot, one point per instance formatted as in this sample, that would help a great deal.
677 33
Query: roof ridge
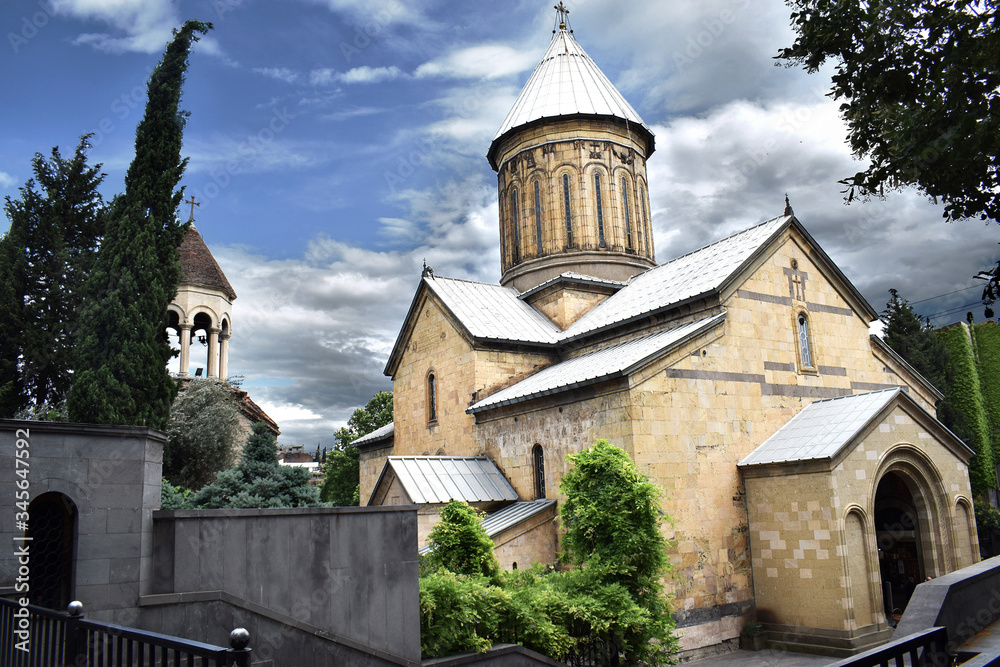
715 243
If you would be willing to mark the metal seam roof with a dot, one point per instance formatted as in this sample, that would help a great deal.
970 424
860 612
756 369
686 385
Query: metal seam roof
510 516
821 429
566 82
378 434
492 312
596 366
440 479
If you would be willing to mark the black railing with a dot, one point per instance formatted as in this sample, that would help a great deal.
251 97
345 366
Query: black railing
590 651
36 637
927 648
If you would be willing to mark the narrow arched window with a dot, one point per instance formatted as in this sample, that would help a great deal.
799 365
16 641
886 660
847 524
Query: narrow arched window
503 236
628 222
600 210
569 222
431 398
645 223
538 219
805 352
539 468
517 227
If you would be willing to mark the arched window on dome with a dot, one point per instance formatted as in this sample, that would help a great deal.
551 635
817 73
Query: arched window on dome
628 221
538 220
569 220
516 225
538 460
600 210
645 221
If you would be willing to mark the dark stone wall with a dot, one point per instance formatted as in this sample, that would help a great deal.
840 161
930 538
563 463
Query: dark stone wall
112 474
349 573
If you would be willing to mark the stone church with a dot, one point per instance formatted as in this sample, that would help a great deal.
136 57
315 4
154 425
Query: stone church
810 483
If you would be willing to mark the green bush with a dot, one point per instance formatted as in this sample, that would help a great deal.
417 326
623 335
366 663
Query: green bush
614 591
459 544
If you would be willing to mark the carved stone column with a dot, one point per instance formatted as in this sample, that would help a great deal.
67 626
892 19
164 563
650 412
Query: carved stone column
213 352
185 335
224 356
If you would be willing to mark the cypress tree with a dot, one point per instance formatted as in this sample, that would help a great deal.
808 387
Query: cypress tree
122 353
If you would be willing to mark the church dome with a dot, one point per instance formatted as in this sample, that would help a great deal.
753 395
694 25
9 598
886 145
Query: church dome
570 159
566 82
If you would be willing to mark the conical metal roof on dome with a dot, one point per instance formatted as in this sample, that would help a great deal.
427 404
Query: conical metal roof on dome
566 82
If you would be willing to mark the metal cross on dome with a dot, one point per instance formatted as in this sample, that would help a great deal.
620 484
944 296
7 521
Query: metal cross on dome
193 204
563 14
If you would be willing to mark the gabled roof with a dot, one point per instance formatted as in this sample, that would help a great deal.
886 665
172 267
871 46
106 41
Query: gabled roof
440 479
571 278
378 435
498 314
822 429
510 516
199 267
689 276
616 361
492 312
567 82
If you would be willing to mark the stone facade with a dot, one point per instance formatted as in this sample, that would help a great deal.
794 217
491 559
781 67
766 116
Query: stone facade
777 327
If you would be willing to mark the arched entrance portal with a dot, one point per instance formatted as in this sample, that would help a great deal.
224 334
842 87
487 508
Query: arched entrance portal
900 547
52 521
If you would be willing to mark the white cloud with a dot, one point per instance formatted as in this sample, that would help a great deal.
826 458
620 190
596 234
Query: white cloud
326 76
6 180
139 25
476 62
279 73
375 16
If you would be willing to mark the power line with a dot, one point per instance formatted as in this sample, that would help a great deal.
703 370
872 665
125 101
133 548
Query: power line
931 298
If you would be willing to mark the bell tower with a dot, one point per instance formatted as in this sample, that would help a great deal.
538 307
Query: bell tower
202 310
571 174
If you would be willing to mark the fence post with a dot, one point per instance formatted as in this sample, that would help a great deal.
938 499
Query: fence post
239 654
72 645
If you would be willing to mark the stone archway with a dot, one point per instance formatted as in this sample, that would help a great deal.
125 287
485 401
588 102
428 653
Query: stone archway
52 527
911 526
897 531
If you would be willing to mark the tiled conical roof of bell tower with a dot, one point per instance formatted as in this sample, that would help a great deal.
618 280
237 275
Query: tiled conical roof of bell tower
566 82
199 266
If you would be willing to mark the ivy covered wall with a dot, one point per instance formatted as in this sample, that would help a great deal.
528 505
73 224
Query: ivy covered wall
966 393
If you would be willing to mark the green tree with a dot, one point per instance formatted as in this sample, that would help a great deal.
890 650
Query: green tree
919 82
55 227
122 351
459 544
341 472
919 344
202 434
612 517
259 480
12 272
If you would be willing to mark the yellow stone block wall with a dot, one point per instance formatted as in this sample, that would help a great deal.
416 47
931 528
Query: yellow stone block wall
534 541
809 570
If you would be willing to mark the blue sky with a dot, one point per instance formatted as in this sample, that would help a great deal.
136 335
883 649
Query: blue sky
336 144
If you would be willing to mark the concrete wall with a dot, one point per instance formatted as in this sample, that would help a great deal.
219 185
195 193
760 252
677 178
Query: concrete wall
966 602
350 573
112 474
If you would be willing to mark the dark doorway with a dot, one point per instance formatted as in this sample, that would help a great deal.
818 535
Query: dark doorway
899 548
52 529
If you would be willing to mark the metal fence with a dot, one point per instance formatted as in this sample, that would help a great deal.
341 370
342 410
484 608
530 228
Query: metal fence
36 637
